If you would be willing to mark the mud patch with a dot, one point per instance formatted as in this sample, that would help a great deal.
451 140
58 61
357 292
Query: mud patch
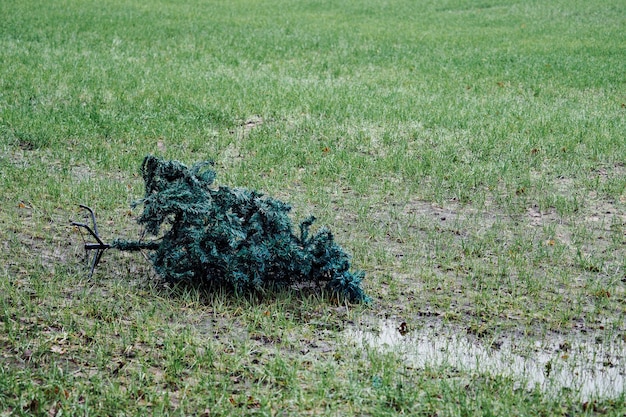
245 127
252 122
582 366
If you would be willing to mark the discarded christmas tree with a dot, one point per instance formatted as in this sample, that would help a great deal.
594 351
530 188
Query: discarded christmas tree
232 236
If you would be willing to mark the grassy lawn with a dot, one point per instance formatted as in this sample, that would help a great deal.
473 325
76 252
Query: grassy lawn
470 155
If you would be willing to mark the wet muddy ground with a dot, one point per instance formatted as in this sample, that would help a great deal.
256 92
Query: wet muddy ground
590 366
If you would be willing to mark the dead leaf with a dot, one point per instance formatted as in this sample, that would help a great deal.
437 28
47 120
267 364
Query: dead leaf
33 406
603 293
253 403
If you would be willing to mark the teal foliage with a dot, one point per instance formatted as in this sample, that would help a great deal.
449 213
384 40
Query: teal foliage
232 236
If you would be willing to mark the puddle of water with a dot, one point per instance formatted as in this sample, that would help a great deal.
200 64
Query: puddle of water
589 369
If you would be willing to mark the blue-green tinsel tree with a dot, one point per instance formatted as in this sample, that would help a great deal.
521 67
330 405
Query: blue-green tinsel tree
232 236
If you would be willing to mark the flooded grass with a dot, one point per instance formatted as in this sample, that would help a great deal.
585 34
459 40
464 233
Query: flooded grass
588 367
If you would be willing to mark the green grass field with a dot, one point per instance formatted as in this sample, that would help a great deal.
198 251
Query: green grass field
470 155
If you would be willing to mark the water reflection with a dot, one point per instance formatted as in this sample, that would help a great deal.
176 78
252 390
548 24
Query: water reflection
593 370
